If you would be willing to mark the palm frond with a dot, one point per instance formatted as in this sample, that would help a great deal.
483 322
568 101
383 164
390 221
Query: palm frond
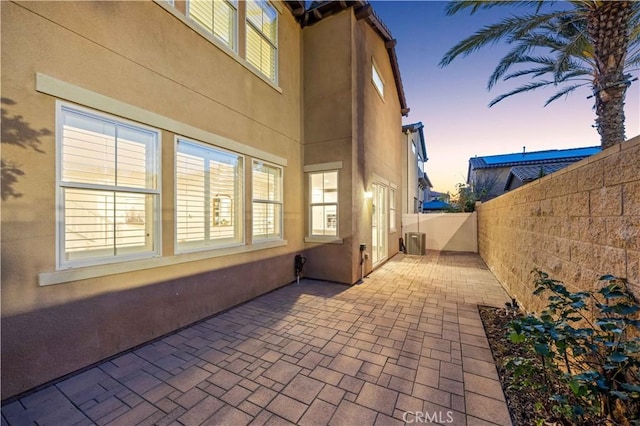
515 26
526 88
564 92
454 7
506 63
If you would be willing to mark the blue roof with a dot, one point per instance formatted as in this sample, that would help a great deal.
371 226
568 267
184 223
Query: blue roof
552 155
435 205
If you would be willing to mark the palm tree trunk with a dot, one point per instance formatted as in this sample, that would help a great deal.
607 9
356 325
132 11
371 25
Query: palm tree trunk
607 25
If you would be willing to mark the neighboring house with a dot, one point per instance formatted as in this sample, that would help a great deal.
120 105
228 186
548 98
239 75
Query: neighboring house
171 164
414 176
493 175
434 195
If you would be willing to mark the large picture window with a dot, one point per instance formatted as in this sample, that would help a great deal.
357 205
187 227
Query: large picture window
208 197
262 37
323 187
217 17
267 201
108 191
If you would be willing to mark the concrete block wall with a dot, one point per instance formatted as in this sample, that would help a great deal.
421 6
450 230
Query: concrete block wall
576 224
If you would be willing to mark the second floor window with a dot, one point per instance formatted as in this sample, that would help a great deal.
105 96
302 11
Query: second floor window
262 37
217 17
377 80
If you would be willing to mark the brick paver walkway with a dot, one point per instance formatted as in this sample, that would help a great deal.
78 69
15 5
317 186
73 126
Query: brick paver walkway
405 346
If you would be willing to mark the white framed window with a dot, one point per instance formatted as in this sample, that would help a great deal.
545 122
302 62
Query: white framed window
323 203
216 17
392 210
209 197
262 37
108 192
376 79
267 201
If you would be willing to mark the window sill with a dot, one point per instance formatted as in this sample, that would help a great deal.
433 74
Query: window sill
323 240
77 274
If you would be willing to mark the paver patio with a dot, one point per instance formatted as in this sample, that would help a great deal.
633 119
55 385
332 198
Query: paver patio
405 347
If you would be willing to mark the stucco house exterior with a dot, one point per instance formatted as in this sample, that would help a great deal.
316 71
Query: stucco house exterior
416 183
166 160
493 175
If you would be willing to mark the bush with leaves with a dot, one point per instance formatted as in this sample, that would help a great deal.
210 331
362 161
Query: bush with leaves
588 361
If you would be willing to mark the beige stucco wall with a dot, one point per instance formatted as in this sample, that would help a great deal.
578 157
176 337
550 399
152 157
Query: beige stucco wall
576 224
346 120
379 144
328 95
139 54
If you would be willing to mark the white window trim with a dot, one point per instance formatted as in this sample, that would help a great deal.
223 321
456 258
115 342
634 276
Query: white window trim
62 264
78 274
242 220
273 44
220 45
337 204
321 167
376 69
234 35
63 90
70 92
393 202
281 202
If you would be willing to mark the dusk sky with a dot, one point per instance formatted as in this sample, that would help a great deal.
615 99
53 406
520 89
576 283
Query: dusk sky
452 102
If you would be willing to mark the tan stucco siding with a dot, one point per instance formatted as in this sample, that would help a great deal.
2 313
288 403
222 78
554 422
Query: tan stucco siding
140 55
378 139
328 97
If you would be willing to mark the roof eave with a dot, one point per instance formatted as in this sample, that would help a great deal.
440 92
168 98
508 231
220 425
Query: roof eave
390 45
296 7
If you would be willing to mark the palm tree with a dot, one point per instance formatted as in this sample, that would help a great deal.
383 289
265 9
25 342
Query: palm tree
589 43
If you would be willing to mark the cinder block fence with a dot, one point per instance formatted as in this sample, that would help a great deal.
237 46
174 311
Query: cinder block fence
576 224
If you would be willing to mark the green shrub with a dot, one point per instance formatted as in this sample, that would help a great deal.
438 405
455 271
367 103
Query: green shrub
588 362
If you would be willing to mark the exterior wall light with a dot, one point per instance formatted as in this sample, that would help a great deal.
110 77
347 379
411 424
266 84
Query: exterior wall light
368 195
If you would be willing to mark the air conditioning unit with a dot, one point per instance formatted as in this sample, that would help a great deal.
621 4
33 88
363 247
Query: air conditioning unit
415 242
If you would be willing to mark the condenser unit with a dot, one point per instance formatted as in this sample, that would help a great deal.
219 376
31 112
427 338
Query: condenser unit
415 242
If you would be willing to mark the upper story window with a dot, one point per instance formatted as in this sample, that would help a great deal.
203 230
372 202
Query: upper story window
323 197
262 37
209 197
376 79
108 188
267 201
217 17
